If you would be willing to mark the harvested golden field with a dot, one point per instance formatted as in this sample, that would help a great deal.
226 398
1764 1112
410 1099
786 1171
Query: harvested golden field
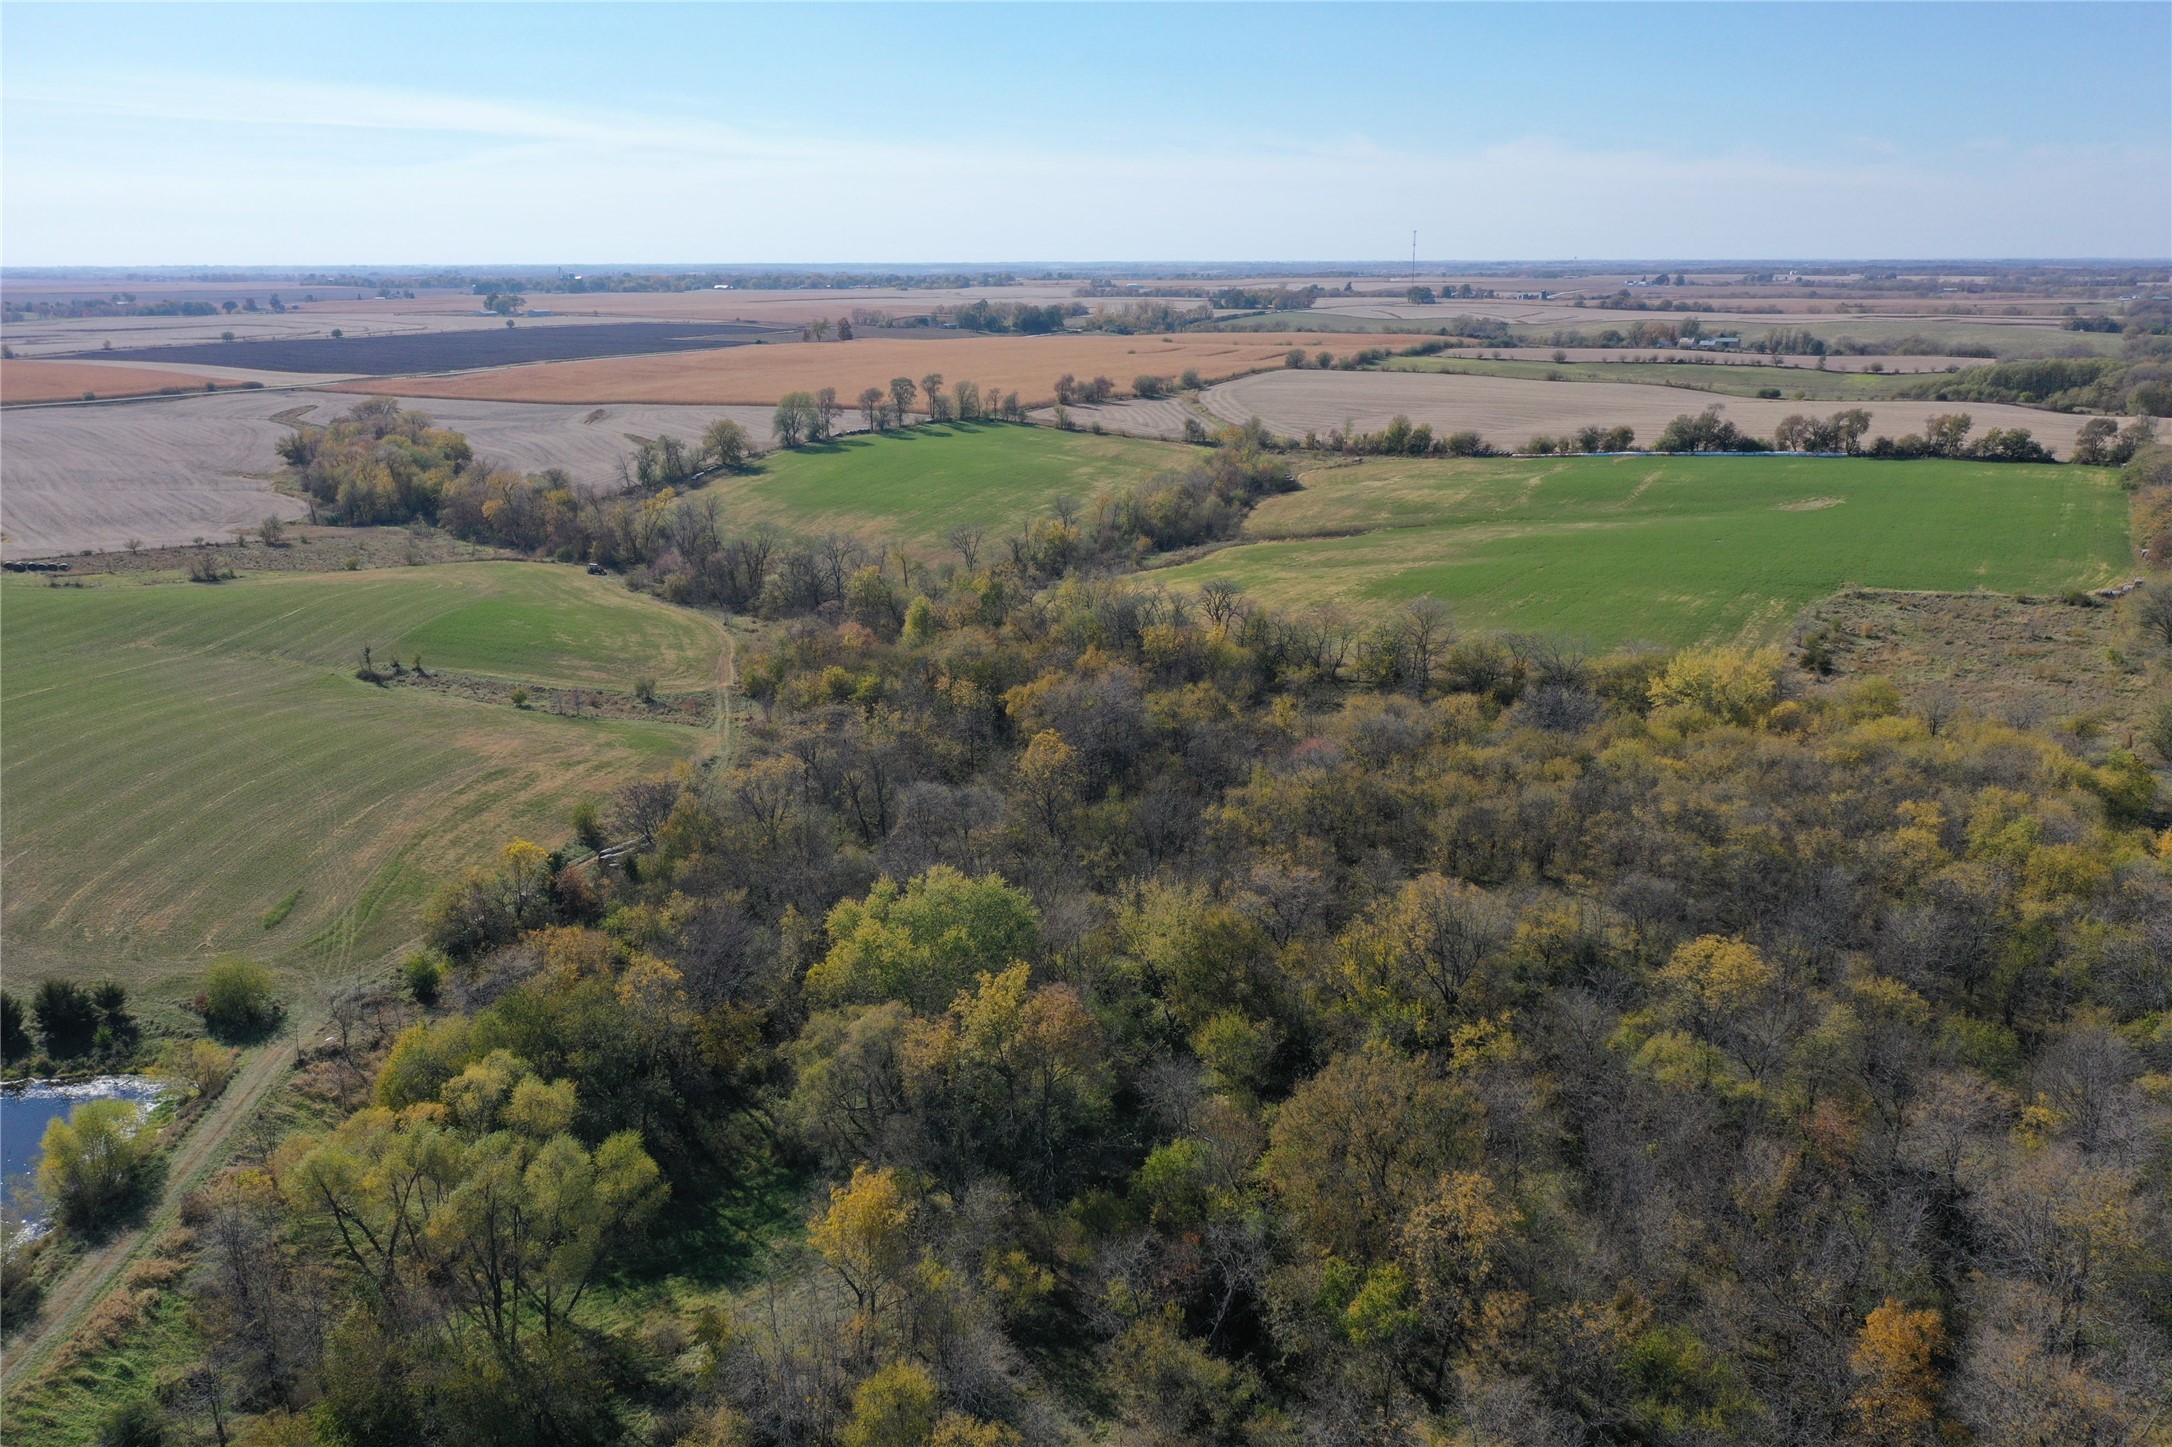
23 380
759 375
1506 411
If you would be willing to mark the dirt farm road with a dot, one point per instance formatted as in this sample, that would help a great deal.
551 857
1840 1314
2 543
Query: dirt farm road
87 1282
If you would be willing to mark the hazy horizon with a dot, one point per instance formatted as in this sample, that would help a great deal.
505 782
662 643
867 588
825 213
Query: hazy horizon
1386 268
529 133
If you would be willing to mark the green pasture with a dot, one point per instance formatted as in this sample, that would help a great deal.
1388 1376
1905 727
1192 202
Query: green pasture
1668 550
916 484
534 622
180 760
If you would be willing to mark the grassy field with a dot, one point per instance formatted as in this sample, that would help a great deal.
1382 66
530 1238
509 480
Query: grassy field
916 485
1668 550
181 761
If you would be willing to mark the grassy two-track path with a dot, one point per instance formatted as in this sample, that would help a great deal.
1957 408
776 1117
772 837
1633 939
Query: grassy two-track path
202 1149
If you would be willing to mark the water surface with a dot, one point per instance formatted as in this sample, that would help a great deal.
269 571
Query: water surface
25 1112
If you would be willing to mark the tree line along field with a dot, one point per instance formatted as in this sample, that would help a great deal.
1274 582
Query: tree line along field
1667 550
183 762
760 375
1506 411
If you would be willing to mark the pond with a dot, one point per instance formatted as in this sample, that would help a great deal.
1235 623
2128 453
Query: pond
25 1111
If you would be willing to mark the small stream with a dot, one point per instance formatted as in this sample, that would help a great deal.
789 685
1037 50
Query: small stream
26 1109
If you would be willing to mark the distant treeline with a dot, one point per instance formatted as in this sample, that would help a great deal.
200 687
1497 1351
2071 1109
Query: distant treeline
629 281
122 306
1023 318
1944 435
1778 341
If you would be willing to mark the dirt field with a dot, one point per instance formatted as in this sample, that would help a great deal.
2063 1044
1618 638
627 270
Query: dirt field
161 471
36 381
586 441
758 375
167 471
1506 411
448 349
1161 417
75 336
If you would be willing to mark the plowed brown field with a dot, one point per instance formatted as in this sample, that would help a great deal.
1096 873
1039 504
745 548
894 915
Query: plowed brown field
23 380
759 375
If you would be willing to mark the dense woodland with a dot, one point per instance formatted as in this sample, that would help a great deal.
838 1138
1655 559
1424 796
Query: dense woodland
1075 1011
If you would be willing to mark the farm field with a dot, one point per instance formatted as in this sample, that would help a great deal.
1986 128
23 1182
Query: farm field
448 350
55 336
586 441
182 761
167 471
1137 416
1668 550
759 375
1534 322
916 485
1658 357
1729 378
779 307
26 380
1507 410
160 471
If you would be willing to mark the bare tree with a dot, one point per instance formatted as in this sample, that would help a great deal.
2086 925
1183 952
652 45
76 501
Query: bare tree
967 540
1220 598
1426 632
641 808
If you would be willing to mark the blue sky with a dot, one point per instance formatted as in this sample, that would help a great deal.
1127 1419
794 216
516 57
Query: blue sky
274 134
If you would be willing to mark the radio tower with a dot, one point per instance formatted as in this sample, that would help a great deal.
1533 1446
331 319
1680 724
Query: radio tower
1414 257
